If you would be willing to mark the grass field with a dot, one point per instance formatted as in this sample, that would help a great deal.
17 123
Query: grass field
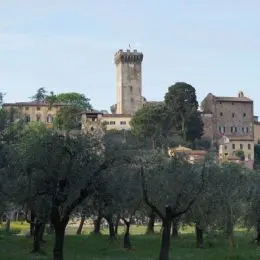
145 247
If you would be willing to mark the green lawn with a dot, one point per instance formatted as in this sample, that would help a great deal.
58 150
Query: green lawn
145 247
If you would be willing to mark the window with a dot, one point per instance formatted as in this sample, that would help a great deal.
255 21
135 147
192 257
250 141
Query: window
241 147
27 118
247 130
112 122
106 123
221 114
233 129
233 114
249 146
38 108
225 147
232 103
222 129
233 146
122 122
91 129
49 119
26 108
244 114
249 156
220 102
242 129
38 118
131 88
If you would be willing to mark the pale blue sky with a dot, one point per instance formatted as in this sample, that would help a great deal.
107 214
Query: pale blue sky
66 45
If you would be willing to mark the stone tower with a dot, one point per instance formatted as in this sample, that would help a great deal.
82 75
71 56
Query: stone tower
128 81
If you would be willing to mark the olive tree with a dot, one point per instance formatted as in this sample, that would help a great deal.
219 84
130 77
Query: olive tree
170 187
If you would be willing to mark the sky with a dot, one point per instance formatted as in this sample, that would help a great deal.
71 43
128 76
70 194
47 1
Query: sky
68 46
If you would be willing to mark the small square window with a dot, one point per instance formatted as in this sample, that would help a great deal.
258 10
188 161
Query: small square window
122 122
27 118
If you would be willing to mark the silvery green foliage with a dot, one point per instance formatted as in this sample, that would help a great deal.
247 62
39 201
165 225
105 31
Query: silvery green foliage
55 169
252 218
120 190
172 181
223 204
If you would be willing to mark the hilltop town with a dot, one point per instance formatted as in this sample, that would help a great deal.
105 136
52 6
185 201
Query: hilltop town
230 120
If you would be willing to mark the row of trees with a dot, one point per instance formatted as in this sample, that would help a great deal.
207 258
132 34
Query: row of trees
127 175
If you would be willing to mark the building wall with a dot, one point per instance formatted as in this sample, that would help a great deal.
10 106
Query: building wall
35 113
95 122
256 132
236 118
116 122
210 126
230 148
128 81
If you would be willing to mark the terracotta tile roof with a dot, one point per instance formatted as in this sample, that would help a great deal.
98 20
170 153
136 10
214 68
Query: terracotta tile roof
116 115
234 99
32 103
198 152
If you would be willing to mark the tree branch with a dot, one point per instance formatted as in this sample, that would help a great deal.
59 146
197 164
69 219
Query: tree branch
145 195
197 194
86 191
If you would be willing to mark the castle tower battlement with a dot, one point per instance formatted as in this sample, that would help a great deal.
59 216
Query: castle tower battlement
128 56
129 81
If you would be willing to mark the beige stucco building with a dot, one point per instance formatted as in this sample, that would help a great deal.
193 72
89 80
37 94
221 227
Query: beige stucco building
128 81
35 111
98 122
230 121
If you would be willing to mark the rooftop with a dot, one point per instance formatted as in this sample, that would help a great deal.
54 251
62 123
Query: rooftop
32 103
240 98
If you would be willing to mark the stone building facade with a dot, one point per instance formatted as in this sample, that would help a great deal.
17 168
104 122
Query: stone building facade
128 81
230 121
35 111
97 122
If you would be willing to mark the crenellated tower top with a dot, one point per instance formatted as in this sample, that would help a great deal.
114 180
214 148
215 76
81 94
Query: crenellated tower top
128 56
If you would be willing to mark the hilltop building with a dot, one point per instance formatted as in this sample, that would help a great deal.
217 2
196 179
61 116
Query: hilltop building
230 121
35 111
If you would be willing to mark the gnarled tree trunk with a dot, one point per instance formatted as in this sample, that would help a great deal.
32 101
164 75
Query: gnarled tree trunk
82 220
150 226
127 242
166 235
117 224
59 242
175 228
38 226
112 234
97 225
199 237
